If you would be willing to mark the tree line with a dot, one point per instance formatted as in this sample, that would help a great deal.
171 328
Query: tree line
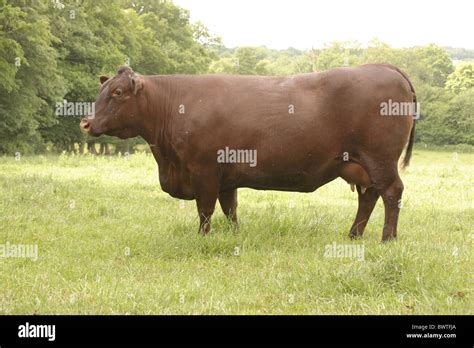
53 51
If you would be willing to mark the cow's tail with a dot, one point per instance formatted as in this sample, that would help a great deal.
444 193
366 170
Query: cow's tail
406 159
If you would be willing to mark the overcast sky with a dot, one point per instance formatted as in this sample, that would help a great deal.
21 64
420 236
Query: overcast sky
311 23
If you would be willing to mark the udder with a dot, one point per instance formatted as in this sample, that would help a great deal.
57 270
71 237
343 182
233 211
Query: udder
355 174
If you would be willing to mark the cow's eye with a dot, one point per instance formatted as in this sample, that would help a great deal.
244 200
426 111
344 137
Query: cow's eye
116 92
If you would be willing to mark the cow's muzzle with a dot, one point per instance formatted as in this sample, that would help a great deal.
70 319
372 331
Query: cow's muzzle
85 125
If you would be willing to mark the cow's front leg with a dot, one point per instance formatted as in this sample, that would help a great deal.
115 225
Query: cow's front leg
206 201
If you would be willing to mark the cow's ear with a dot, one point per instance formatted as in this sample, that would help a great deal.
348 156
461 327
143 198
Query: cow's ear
103 78
137 83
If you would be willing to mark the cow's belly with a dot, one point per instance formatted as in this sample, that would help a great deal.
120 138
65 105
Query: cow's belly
306 180
284 185
290 182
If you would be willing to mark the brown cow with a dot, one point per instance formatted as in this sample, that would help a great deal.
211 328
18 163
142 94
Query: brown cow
212 134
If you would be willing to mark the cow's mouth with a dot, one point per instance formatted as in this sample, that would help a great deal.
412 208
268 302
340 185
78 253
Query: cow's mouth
87 128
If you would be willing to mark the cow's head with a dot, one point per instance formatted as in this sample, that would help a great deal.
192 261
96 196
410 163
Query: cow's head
117 109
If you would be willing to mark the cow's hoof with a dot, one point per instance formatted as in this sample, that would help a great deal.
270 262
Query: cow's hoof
354 233
389 238
205 229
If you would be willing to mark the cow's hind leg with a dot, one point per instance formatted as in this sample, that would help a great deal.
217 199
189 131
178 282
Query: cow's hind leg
367 201
388 184
392 196
228 202
355 173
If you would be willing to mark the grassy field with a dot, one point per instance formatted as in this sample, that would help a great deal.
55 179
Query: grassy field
110 241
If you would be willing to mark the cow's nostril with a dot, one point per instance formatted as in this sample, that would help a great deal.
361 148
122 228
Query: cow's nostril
85 125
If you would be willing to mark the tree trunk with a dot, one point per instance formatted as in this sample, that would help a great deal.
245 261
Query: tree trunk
91 147
123 147
81 147
104 149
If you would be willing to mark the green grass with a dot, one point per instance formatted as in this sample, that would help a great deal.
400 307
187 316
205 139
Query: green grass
85 214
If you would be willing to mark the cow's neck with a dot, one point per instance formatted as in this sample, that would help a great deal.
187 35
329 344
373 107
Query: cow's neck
159 107
156 110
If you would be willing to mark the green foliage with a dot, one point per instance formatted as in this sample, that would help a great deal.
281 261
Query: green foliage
244 61
461 110
460 53
379 52
462 79
261 61
338 54
438 62
30 78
